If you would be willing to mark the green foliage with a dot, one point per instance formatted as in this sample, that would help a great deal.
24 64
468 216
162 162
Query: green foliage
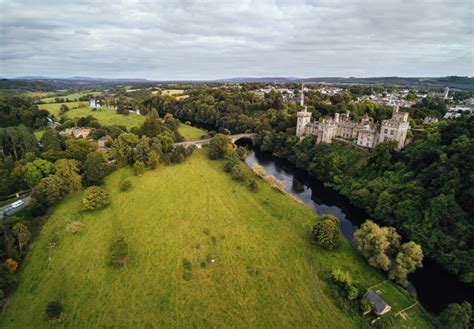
408 259
118 252
219 146
457 316
34 171
238 173
126 185
95 169
95 197
344 281
372 242
326 232
253 185
22 235
138 168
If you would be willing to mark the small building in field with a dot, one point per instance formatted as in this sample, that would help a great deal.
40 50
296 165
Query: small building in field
380 307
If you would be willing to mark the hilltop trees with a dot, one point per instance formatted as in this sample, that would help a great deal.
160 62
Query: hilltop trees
379 244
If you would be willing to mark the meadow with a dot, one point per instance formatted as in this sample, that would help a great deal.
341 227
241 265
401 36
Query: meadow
204 252
72 97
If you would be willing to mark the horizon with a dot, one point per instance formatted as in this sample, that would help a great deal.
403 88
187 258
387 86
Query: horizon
206 40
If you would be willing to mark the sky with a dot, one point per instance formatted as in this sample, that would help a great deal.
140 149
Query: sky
192 40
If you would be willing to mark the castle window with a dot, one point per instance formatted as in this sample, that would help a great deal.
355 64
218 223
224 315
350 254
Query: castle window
391 132
385 130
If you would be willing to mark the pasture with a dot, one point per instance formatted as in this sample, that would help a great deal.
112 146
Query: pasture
204 252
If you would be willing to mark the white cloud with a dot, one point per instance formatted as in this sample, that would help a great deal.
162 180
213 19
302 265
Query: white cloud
215 39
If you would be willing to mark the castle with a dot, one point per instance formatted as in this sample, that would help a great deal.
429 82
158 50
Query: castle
365 133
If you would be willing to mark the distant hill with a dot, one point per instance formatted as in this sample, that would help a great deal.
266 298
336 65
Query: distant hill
19 86
454 82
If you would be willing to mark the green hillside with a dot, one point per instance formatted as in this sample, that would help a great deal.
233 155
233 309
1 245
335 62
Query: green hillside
176 221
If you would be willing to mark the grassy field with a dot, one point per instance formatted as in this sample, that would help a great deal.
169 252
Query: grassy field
176 219
72 97
104 116
54 107
191 133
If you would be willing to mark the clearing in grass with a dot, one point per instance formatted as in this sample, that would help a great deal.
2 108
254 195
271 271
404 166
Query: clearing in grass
201 250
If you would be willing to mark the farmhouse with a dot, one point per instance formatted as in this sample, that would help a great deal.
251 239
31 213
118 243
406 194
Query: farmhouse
379 305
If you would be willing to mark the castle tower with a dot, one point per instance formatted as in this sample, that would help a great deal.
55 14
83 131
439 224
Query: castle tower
303 117
446 93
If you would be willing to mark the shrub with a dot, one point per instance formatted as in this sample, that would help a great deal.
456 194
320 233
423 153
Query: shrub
11 264
74 227
253 186
344 281
219 146
242 153
365 306
259 170
275 183
118 252
326 232
95 197
238 173
38 210
231 161
138 167
54 310
126 185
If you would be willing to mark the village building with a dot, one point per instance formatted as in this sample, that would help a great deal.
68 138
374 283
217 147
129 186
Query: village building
364 133
77 132
380 307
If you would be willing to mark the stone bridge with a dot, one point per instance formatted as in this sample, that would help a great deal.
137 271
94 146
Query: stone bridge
200 142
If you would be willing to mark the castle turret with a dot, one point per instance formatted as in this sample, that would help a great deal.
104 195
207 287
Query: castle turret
303 117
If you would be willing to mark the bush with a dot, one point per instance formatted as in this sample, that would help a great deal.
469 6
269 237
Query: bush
126 185
238 173
54 310
138 167
118 252
344 281
253 186
74 227
95 197
259 170
38 210
326 232
11 264
242 153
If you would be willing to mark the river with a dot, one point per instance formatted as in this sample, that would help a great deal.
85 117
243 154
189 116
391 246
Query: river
435 287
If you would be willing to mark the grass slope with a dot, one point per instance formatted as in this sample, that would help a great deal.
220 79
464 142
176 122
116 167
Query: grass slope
266 272
191 133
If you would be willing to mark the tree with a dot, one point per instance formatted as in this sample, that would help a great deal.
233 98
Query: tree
63 109
393 239
95 169
457 316
138 168
95 197
408 259
153 159
34 171
219 146
326 232
79 148
54 310
67 171
372 243
49 190
22 235
122 148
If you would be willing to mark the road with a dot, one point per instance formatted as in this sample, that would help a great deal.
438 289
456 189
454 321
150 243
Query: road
27 201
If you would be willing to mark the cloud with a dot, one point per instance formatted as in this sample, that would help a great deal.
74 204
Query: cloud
214 39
